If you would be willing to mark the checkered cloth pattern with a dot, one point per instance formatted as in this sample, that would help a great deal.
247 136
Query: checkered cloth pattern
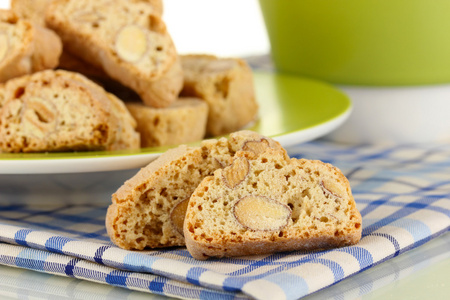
402 192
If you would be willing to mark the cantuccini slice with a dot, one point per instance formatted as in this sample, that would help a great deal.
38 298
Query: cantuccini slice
148 209
34 11
184 121
127 39
271 204
62 111
25 47
226 84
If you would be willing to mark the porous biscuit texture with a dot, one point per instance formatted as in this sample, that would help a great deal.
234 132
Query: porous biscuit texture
271 204
226 84
184 121
62 111
34 10
25 47
148 209
127 39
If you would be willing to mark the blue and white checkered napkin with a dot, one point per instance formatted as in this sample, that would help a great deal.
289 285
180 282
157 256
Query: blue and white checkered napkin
402 192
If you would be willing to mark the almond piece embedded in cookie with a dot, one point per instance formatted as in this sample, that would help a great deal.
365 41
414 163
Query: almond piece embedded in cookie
261 213
257 147
236 173
177 215
131 43
332 188
4 45
41 114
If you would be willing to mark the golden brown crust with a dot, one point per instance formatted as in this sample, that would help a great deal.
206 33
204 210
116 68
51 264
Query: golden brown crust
98 33
226 84
322 209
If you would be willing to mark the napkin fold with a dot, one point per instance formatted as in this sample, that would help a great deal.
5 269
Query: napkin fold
402 192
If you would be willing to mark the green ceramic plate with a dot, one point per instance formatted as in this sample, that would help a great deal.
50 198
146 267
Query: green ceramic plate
292 110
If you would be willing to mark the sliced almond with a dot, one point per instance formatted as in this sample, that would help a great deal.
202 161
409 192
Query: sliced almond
257 147
131 43
261 213
4 45
236 172
332 188
177 215
40 114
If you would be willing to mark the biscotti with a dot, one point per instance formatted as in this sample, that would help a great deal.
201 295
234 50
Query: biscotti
184 121
25 48
271 204
127 39
62 111
148 209
34 11
226 84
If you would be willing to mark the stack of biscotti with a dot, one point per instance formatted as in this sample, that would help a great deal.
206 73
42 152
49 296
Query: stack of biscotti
124 46
233 197
127 39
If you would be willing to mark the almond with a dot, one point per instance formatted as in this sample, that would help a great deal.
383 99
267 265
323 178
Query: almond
332 188
131 43
177 215
40 113
236 172
257 147
4 45
261 213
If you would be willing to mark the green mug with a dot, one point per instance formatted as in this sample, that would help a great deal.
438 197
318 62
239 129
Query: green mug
361 42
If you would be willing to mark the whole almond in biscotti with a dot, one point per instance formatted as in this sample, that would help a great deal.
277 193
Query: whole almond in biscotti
25 47
149 209
127 39
184 121
279 205
226 84
62 111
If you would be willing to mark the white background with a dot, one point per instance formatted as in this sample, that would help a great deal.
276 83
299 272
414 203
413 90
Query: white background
224 28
